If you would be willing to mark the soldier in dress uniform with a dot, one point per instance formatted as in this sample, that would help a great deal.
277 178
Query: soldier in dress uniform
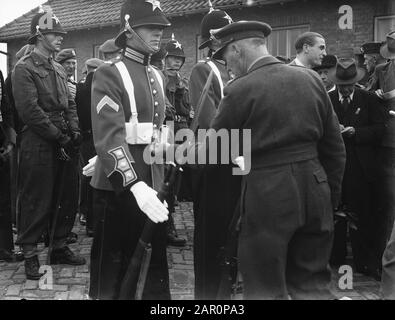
110 51
297 163
83 102
215 190
50 134
128 100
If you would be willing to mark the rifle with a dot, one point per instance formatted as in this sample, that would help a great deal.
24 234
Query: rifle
229 286
136 274
202 99
54 221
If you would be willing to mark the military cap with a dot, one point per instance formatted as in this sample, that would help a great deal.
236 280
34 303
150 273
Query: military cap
137 13
94 63
40 24
388 48
65 55
174 48
371 48
238 31
329 61
109 47
346 72
213 20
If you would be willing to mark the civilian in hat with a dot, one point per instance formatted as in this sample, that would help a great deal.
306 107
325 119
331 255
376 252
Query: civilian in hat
83 102
362 122
372 58
328 62
68 59
297 163
177 92
310 50
124 184
215 191
384 84
50 137
110 51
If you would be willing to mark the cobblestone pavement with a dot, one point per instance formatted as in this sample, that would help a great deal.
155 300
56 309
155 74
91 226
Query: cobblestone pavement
72 283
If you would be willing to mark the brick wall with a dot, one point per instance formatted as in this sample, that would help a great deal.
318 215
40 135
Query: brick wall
322 16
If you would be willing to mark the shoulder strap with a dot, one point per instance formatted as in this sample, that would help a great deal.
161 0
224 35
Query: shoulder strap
218 75
128 84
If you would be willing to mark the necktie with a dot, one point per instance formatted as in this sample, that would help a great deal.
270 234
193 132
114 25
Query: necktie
345 103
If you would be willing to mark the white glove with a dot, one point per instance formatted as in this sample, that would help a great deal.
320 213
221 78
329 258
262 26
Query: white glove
89 169
240 162
149 203
392 113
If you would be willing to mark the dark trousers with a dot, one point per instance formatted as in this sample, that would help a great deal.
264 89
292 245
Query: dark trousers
215 196
286 232
387 198
6 237
41 175
86 191
360 195
118 228
388 275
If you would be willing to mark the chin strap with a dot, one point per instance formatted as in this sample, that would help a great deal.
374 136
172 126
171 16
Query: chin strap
145 46
39 33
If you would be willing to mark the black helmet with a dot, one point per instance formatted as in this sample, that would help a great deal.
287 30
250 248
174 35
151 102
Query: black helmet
174 48
139 13
44 22
213 20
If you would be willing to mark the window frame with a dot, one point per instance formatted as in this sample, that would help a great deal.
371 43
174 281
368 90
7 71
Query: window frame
288 28
376 20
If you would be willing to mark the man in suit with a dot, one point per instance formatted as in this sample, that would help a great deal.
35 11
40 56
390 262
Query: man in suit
215 190
328 62
362 123
128 108
310 50
297 162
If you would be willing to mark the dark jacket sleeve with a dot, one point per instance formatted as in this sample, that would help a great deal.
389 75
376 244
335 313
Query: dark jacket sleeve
332 152
108 127
26 102
197 82
373 132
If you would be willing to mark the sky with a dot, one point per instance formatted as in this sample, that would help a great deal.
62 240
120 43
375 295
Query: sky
10 10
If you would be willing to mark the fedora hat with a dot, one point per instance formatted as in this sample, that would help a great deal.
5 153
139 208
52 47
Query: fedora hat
387 50
346 72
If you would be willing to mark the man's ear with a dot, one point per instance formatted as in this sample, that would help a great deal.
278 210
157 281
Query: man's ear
306 48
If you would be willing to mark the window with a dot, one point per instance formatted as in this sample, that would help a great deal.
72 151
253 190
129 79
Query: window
383 25
281 41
